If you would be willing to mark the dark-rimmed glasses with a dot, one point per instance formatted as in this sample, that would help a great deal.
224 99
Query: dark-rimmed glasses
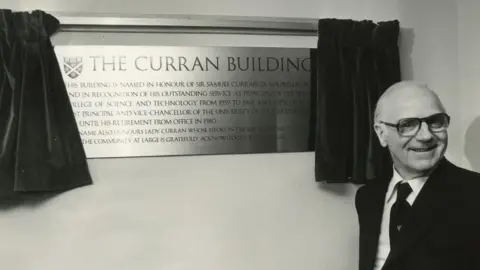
410 126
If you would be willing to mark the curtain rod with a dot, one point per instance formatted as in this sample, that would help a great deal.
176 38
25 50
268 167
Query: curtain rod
87 22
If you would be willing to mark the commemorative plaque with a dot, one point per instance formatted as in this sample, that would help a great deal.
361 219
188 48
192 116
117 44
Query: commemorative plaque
161 101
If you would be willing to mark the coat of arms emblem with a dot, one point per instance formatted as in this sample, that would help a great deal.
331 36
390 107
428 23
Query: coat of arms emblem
73 66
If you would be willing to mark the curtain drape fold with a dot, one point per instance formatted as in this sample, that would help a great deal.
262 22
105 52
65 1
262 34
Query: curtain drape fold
356 62
40 146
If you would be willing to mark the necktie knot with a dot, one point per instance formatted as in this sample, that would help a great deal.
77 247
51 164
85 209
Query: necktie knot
403 191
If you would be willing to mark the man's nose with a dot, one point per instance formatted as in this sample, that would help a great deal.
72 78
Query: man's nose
424 133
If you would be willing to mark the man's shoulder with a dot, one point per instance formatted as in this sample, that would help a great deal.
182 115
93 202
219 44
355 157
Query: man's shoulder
468 178
362 191
468 182
374 185
360 197
369 190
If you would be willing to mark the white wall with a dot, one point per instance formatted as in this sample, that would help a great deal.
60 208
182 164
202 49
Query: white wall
10 4
469 77
220 212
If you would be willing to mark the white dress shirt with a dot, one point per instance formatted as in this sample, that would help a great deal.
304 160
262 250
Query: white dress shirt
390 198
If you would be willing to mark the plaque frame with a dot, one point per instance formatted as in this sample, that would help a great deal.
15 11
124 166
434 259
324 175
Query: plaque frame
198 24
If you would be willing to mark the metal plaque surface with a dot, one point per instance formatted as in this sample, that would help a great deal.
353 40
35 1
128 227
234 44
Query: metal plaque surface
160 101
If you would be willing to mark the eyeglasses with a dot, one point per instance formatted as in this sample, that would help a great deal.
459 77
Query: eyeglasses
410 126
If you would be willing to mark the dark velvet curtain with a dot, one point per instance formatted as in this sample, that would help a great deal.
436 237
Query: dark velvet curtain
356 62
40 145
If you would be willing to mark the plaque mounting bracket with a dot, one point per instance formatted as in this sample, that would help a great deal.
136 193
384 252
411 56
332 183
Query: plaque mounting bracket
198 24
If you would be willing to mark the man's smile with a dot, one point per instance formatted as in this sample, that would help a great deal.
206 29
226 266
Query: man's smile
423 149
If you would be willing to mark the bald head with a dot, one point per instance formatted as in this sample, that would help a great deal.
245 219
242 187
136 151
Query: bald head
402 93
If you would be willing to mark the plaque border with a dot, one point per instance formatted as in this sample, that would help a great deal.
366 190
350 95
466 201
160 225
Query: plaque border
87 22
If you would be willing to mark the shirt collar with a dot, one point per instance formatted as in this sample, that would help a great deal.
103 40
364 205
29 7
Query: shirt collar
416 184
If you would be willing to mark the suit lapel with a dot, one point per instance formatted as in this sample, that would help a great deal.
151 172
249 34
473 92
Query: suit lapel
427 207
376 201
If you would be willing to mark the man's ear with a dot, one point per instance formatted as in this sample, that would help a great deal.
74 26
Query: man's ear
381 134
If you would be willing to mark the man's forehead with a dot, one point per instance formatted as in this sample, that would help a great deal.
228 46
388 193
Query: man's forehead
411 101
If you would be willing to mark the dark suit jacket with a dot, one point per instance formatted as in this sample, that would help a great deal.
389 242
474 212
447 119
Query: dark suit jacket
443 232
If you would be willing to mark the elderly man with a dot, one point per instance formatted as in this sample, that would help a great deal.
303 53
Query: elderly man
426 214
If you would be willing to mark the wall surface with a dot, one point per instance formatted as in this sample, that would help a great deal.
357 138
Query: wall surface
469 77
10 4
222 212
